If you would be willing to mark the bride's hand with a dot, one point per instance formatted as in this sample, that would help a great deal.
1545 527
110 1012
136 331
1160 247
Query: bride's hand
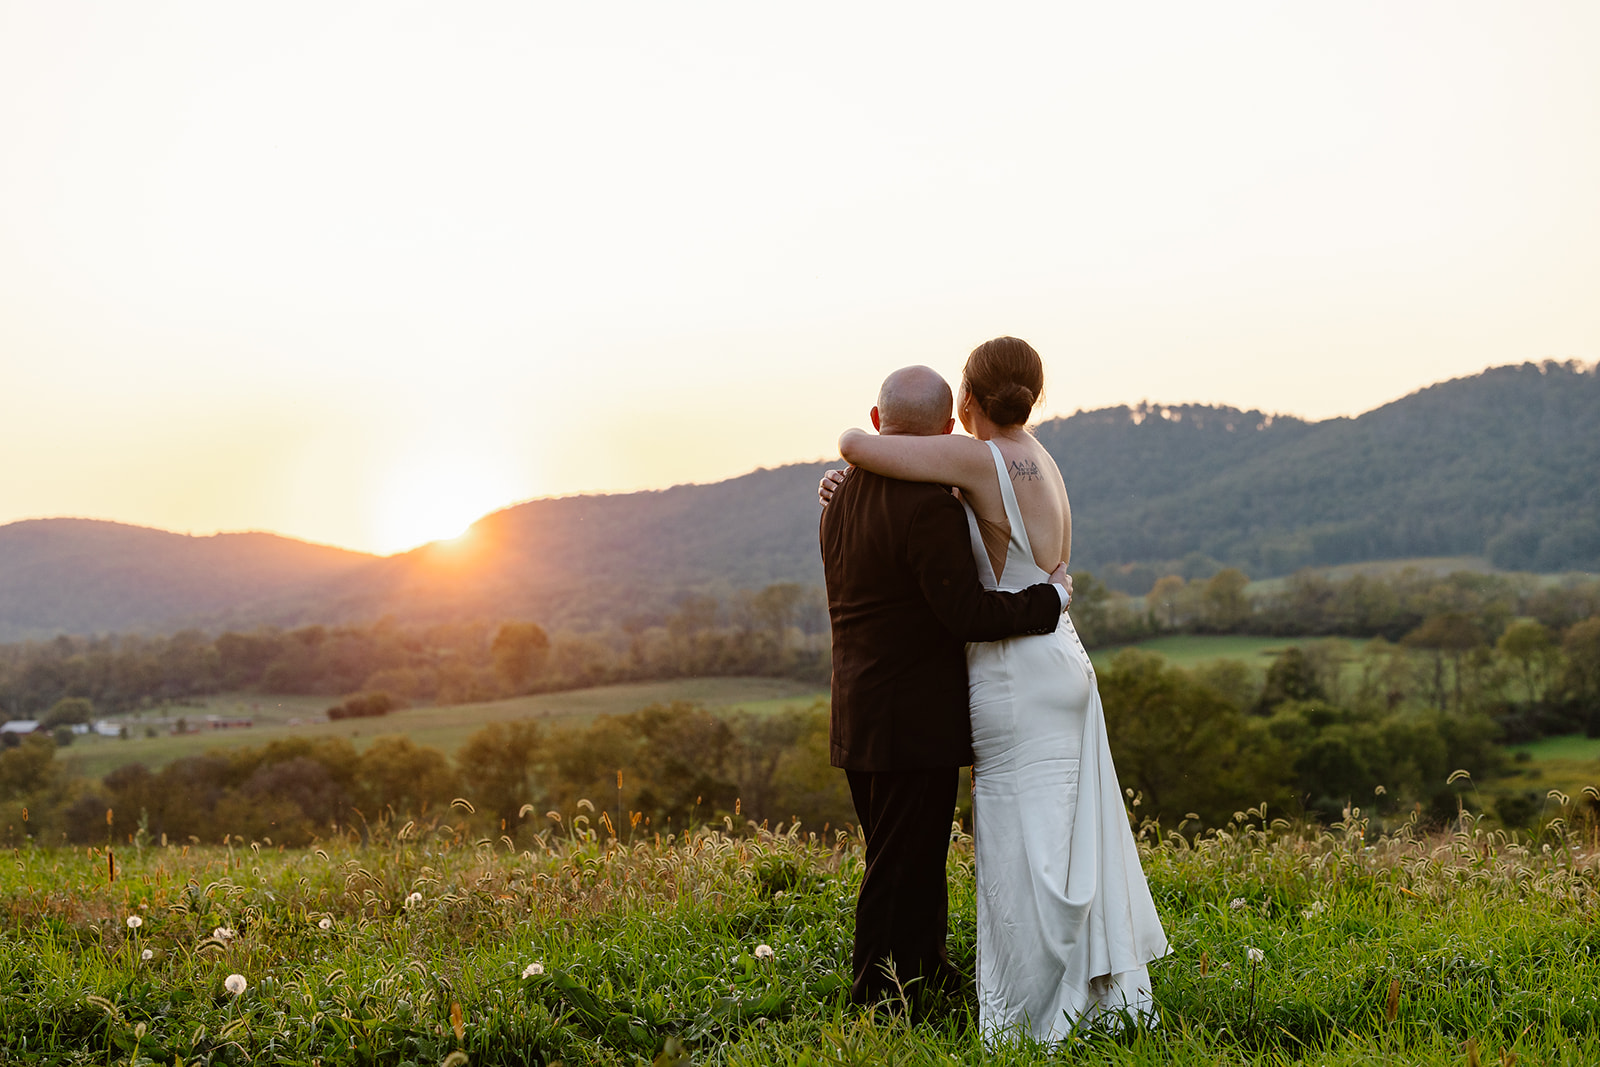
831 480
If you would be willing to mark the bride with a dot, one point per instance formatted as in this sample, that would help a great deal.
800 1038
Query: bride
1066 924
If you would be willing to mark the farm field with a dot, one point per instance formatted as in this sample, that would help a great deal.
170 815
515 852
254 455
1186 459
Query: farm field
1437 566
445 727
1433 565
1564 764
1567 747
1462 949
1190 650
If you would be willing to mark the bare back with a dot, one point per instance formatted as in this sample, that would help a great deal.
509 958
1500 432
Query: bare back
1041 497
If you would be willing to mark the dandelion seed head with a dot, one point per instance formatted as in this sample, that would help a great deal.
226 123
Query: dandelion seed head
134 922
414 898
764 952
147 955
235 984
533 970
223 933
325 923
1237 903
1255 955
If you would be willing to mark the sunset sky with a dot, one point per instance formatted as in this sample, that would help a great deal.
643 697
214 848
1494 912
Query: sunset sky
358 273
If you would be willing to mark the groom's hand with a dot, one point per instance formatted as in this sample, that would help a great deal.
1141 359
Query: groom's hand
1060 577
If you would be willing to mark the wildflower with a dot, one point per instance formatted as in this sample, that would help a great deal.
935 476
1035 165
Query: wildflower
1255 955
325 923
134 922
1237 903
414 898
223 933
533 970
764 952
147 955
235 984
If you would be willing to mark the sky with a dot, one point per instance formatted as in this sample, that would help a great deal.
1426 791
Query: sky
359 273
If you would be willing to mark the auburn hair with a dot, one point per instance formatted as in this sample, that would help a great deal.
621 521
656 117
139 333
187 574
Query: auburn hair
1006 378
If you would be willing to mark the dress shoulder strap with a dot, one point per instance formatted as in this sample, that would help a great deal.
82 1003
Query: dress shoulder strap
1008 494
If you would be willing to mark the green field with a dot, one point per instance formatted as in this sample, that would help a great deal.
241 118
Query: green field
1382 568
1562 764
1568 747
1463 949
1188 650
443 727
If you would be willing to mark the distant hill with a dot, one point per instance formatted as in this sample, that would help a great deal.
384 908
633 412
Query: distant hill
1502 464
87 576
1505 464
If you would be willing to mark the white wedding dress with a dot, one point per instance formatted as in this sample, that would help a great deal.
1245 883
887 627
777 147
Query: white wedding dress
1066 924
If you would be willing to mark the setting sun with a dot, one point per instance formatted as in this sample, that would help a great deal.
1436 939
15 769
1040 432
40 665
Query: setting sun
436 499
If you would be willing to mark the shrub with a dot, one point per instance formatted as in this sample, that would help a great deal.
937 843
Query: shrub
365 706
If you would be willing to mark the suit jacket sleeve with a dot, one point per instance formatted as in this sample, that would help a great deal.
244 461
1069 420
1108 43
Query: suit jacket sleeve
940 553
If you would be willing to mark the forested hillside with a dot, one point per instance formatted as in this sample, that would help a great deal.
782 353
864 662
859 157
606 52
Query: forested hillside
1501 464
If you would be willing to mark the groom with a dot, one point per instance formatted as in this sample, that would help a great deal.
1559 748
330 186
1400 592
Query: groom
904 598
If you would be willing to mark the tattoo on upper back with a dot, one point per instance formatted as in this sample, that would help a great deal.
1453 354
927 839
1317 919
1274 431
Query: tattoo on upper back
1025 470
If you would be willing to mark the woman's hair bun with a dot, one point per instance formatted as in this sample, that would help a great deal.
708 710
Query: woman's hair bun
1010 404
1006 378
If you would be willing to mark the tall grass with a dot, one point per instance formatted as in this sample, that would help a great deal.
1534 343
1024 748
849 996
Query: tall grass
1409 948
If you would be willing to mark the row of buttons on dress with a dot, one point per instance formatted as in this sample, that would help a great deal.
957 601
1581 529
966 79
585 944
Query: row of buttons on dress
1073 631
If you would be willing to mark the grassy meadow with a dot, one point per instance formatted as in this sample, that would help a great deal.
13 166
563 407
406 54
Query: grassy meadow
1456 949
1192 650
444 727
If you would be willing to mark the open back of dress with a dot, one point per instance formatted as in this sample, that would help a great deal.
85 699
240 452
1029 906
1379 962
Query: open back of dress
1066 924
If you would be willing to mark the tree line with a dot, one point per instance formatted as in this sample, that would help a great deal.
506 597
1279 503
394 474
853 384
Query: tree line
1332 723
1430 675
780 630
657 770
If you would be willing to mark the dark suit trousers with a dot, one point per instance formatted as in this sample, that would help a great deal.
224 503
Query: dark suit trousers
903 911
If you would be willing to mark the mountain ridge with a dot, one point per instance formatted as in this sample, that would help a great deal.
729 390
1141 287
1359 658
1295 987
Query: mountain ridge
1498 464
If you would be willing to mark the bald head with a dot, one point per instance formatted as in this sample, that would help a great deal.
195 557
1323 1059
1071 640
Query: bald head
915 401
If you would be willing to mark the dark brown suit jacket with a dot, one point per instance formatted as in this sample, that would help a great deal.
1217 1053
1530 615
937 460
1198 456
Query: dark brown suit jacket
904 599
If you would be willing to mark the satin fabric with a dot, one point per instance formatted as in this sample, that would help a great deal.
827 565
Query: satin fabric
1066 924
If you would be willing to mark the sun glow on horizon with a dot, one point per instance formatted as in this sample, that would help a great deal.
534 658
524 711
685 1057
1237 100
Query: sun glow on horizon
436 498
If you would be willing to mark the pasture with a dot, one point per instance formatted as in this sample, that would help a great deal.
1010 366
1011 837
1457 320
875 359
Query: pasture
1191 650
1464 948
1437 566
444 727
1564 765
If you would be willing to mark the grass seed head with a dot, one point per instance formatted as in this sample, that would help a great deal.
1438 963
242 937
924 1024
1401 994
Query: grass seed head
1392 1008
